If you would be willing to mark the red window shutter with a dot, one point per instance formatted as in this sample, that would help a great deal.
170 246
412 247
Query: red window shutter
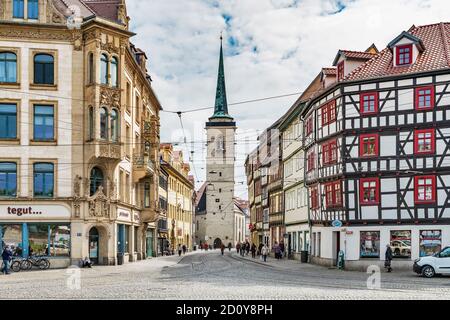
424 98
425 141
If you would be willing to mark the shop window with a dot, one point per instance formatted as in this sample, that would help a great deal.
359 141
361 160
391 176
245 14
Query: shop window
404 55
8 67
329 152
44 123
369 103
59 240
19 9
44 69
11 235
104 123
38 239
368 145
8 179
425 98
104 69
43 180
33 9
369 244
369 191
333 194
97 180
424 141
401 243
425 189
8 121
430 242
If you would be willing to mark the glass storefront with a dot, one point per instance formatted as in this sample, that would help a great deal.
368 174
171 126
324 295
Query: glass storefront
430 242
37 239
370 244
401 243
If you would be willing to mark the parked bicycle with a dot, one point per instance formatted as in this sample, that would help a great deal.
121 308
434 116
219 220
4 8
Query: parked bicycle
15 264
35 261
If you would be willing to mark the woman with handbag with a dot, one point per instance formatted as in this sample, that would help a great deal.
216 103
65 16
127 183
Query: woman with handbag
388 258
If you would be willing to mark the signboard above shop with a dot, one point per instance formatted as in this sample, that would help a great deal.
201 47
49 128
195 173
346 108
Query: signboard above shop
31 211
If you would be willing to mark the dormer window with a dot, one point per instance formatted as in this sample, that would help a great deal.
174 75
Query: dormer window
404 55
340 71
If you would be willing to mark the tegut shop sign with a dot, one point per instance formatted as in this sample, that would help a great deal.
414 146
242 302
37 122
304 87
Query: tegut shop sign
33 212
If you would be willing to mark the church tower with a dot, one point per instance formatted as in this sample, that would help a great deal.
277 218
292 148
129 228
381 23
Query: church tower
220 158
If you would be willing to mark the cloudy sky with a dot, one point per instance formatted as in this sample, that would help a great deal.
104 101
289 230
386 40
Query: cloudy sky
272 48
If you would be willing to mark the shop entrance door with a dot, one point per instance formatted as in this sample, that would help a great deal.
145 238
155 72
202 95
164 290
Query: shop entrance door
93 245
337 247
149 243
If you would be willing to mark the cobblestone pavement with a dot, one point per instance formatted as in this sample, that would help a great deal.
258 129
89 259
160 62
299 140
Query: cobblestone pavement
208 275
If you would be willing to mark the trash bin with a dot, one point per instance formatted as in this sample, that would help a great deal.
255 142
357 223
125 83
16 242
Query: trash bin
304 256
120 259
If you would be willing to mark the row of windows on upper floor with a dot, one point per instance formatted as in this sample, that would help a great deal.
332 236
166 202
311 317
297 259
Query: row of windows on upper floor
43 68
44 127
369 146
25 8
424 100
369 192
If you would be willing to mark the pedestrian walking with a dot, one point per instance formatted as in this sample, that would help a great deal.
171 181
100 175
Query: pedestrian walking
282 249
261 245
253 249
238 247
264 252
6 257
222 248
247 247
184 249
229 246
388 258
277 250
179 250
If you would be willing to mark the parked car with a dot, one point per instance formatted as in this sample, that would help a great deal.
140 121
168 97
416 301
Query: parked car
429 266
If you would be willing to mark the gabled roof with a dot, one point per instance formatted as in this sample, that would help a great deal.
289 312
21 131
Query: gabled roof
355 55
108 9
332 71
409 36
436 56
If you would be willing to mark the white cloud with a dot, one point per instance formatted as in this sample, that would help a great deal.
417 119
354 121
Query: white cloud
280 46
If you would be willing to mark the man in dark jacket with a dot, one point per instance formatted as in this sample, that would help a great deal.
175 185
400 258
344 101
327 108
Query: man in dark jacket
388 258
253 249
6 256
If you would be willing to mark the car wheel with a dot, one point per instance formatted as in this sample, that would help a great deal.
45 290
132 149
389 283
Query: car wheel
428 272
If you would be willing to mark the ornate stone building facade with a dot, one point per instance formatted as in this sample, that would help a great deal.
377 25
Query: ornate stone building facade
81 133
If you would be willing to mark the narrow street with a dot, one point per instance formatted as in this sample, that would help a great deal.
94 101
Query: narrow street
208 275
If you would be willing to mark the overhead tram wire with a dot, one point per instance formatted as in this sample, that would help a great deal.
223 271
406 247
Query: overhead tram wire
191 158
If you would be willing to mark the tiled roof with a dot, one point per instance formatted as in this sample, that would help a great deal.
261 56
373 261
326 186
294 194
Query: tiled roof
436 39
104 8
357 54
329 71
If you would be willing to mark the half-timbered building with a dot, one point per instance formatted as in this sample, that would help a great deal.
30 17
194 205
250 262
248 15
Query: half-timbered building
377 145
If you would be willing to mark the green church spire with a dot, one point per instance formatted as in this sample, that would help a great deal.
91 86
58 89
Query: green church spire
221 106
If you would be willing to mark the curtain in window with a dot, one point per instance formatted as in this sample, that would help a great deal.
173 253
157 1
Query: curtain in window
8 179
104 66
103 123
43 69
8 121
8 67
33 9
43 122
43 179
114 125
18 9
114 72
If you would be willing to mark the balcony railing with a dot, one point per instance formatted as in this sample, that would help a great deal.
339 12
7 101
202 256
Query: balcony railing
142 167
